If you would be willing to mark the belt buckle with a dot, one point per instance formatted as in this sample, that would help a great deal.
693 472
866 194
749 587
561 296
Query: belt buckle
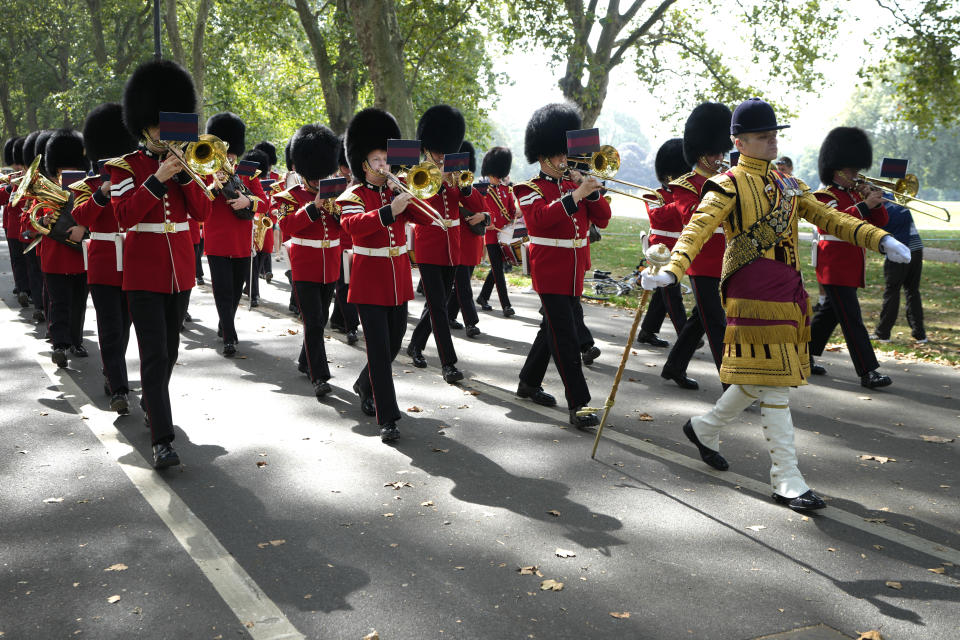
577 243
169 227
447 223
394 252
324 244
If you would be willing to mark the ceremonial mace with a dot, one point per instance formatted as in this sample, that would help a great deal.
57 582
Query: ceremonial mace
657 256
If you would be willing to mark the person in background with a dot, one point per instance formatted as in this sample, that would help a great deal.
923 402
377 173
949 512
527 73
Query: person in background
905 276
784 165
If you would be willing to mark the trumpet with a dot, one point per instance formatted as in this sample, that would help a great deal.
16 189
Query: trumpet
905 194
604 164
194 158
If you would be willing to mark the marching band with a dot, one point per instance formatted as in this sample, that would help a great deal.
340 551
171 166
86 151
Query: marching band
131 231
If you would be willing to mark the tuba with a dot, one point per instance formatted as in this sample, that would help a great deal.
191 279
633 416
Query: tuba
51 202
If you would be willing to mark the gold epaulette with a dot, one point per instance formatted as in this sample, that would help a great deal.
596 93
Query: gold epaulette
350 196
683 182
721 182
82 187
276 188
121 163
824 192
532 186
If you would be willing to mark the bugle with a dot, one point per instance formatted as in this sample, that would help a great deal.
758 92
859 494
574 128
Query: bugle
904 192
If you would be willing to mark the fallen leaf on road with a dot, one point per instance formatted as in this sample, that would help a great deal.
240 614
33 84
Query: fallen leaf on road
832 549
864 398
261 464
388 515
553 512
756 527
936 570
939 439
551 585
870 635
398 484
53 500
117 567
414 409
292 332
464 406
878 547
428 503
113 599
458 568
877 520
620 615
880 459
530 570
435 450
563 553
645 417
373 635
893 584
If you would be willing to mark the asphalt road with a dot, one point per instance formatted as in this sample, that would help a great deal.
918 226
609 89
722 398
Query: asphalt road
283 522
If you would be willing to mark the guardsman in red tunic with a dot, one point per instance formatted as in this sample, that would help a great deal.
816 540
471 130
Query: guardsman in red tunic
27 234
706 137
105 137
344 316
382 285
63 266
13 158
153 200
270 150
502 207
845 152
666 223
440 131
228 232
312 222
471 249
558 213
261 252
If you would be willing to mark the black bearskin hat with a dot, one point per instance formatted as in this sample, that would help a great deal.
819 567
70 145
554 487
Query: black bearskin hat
229 128
258 156
707 131
155 86
844 147
670 163
8 152
269 149
29 148
467 147
441 128
368 130
286 156
342 158
40 149
497 163
64 150
314 151
18 150
104 135
546 133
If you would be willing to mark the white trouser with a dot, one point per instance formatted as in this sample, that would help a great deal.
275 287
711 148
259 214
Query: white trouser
785 476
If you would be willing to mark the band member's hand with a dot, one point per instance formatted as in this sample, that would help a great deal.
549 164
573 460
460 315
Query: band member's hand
240 202
168 168
105 188
75 233
398 204
895 250
588 186
475 218
318 201
651 281
872 196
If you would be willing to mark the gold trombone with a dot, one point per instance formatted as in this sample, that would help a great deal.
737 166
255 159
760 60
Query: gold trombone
423 181
905 194
196 157
604 164
11 178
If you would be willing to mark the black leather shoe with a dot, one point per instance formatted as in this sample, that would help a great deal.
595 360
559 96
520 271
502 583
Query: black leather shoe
804 502
38 316
585 421
817 369
451 374
590 355
455 324
708 455
682 380
418 360
268 277
352 336
321 388
537 394
164 456
24 299
229 349
366 401
200 280
484 305
292 308
255 302
389 433
79 350
874 380
118 403
472 331
508 312
652 339
59 357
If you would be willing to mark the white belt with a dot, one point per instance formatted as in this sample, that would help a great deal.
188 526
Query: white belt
115 237
380 252
160 227
448 223
831 239
566 243
666 234
316 244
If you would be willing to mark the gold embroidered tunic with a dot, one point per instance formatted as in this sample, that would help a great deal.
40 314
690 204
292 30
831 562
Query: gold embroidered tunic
768 314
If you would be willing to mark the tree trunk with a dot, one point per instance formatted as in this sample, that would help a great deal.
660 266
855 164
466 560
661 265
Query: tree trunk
173 32
198 67
9 120
96 27
378 35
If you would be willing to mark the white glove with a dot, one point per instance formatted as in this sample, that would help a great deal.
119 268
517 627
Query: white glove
651 281
895 250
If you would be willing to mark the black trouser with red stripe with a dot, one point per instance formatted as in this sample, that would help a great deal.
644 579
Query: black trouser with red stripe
197 253
68 308
842 306
157 318
437 287
462 298
113 331
383 331
34 277
18 264
665 300
344 313
558 336
313 299
707 318
495 277
227 276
